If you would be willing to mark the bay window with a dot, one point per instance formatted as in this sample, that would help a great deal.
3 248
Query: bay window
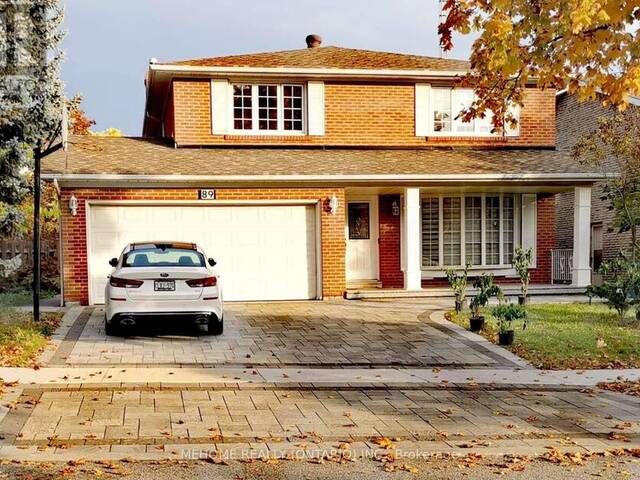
268 109
451 233
508 228
430 232
476 229
492 230
473 230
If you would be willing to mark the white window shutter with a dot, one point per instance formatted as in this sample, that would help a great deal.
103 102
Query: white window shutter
422 93
529 223
315 107
219 106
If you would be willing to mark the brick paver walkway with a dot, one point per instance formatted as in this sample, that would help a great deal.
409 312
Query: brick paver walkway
94 417
339 334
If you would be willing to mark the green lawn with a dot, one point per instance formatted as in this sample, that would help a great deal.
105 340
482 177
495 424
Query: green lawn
21 340
572 335
20 297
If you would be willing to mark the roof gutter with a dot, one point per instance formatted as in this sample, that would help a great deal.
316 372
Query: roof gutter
202 180
307 72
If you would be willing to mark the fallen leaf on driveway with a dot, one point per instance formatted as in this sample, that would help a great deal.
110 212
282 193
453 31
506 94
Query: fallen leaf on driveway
383 442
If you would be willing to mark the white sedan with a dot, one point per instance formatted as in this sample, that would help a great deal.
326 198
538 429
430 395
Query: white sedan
155 281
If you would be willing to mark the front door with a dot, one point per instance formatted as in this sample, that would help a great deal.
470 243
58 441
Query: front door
361 230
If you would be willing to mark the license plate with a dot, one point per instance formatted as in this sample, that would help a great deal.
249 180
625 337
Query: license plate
164 285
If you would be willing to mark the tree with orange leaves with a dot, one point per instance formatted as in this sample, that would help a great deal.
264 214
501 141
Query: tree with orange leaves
79 123
588 46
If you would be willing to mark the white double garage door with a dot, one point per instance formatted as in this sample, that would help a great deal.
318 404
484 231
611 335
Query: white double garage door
264 251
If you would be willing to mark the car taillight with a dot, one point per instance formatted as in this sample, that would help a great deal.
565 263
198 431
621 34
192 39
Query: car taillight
203 282
125 282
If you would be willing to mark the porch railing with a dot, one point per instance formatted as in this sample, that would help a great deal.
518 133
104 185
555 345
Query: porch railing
561 266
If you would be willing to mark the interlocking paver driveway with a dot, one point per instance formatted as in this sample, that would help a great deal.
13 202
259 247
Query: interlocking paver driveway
336 334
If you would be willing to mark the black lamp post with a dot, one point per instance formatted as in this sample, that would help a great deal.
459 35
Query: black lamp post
37 157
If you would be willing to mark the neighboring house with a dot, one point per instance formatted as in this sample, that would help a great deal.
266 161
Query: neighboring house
575 119
309 172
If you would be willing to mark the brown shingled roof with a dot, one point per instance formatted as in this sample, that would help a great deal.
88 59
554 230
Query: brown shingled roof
331 57
136 156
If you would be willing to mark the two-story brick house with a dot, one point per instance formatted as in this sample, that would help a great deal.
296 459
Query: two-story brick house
307 172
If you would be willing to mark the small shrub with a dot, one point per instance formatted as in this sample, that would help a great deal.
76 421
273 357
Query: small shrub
621 288
458 283
522 262
486 288
507 313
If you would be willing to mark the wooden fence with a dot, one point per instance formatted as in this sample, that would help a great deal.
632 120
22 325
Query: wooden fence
10 247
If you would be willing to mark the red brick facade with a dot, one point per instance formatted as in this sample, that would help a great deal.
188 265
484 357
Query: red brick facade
389 250
74 243
546 238
356 113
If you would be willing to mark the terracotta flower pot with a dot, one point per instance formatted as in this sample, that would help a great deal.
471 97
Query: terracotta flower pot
505 338
476 323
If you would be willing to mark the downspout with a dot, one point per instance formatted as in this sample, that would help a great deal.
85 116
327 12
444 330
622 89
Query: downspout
60 252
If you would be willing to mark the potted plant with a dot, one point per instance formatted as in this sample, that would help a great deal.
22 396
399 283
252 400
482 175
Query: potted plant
485 289
506 314
458 283
522 263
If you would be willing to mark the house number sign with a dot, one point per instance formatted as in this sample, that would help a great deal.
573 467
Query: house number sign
207 194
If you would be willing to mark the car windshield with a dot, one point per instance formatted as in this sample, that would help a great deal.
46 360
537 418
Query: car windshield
163 257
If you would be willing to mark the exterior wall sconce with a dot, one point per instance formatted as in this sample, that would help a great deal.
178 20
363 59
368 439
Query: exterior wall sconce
395 209
333 205
73 205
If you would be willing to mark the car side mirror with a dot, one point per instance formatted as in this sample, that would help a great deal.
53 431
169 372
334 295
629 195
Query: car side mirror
113 262
212 262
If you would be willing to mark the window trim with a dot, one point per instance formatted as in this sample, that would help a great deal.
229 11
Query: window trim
452 133
502 268
255 131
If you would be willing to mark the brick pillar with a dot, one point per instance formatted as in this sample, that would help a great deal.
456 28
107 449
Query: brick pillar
545 238
389 242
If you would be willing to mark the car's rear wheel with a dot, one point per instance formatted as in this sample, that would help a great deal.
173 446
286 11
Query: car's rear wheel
110 328
215 326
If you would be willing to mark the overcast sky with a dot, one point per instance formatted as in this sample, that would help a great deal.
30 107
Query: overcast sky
109 43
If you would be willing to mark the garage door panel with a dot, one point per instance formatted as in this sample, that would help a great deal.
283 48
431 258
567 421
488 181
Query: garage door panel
263 252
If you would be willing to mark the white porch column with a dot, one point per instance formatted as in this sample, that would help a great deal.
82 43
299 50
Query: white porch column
412 271
581 236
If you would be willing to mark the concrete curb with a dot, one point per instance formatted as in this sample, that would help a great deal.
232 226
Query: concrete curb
65 377
439 318
294 450
67 321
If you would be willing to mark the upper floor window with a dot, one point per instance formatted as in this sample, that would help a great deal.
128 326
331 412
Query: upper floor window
447 104
265 109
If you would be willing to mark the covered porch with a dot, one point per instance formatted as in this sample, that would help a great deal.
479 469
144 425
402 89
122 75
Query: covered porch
399 240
